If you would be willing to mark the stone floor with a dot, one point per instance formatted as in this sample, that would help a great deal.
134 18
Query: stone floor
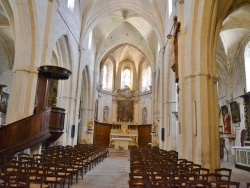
238 175
113 173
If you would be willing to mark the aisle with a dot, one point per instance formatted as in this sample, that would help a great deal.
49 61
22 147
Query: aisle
111 173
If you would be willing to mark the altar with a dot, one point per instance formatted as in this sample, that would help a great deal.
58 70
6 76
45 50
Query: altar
121 143
242 157
122 137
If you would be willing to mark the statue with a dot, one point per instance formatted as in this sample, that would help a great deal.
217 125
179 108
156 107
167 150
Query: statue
144 116
90 124
105 114
153 127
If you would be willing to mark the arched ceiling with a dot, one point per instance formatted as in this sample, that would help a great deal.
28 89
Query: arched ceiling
125 22
6 36
234 34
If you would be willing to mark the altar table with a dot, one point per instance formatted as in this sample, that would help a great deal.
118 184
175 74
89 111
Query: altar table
121 143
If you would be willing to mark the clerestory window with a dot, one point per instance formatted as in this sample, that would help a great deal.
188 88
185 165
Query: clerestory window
71 4
146 79
126 78
247 66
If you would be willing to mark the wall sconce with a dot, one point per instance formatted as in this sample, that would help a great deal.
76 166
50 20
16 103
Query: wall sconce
221 128
153 132
90 125
89 131
175 115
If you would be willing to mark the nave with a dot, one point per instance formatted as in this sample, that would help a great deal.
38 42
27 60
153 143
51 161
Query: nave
113 172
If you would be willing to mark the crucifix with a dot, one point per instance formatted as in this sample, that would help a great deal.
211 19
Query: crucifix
173 54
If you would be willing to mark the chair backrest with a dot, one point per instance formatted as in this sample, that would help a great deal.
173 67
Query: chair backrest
225 173
212 177
200 172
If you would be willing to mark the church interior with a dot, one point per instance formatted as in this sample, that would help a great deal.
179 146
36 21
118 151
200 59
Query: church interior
93 74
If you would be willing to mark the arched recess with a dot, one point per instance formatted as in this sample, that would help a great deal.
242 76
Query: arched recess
61 56
85 110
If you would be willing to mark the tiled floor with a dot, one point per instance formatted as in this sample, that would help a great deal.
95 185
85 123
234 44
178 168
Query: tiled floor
238 175
113 173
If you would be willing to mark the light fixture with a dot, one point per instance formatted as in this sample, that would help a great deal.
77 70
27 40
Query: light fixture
153 132
90 130
175 115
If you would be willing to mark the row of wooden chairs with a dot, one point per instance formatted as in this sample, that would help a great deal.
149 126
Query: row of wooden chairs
159 168
54 166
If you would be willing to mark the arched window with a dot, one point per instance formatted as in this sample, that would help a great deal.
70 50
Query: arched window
90 39
71 4
104 77
170 7
146 78
107 76
126 78
247 66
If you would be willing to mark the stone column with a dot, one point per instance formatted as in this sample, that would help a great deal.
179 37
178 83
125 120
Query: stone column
23 89
198 103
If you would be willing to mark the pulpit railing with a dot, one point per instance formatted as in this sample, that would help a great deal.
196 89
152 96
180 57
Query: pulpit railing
31 130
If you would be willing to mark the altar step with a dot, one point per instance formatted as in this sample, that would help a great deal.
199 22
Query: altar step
118 153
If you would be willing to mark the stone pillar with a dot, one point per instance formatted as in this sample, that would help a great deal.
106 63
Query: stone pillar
23 89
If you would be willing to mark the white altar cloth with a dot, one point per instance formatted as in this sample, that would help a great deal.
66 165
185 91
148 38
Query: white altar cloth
121 143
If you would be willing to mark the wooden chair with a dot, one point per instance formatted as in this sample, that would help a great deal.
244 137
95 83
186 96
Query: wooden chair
226 184
200 172
224 172
36 177
73 168
213 178
139 183
170 184
15 179
199 183
65 172
186 178
50 172
139 175
248 185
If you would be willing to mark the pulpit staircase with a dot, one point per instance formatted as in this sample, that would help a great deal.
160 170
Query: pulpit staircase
44 126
